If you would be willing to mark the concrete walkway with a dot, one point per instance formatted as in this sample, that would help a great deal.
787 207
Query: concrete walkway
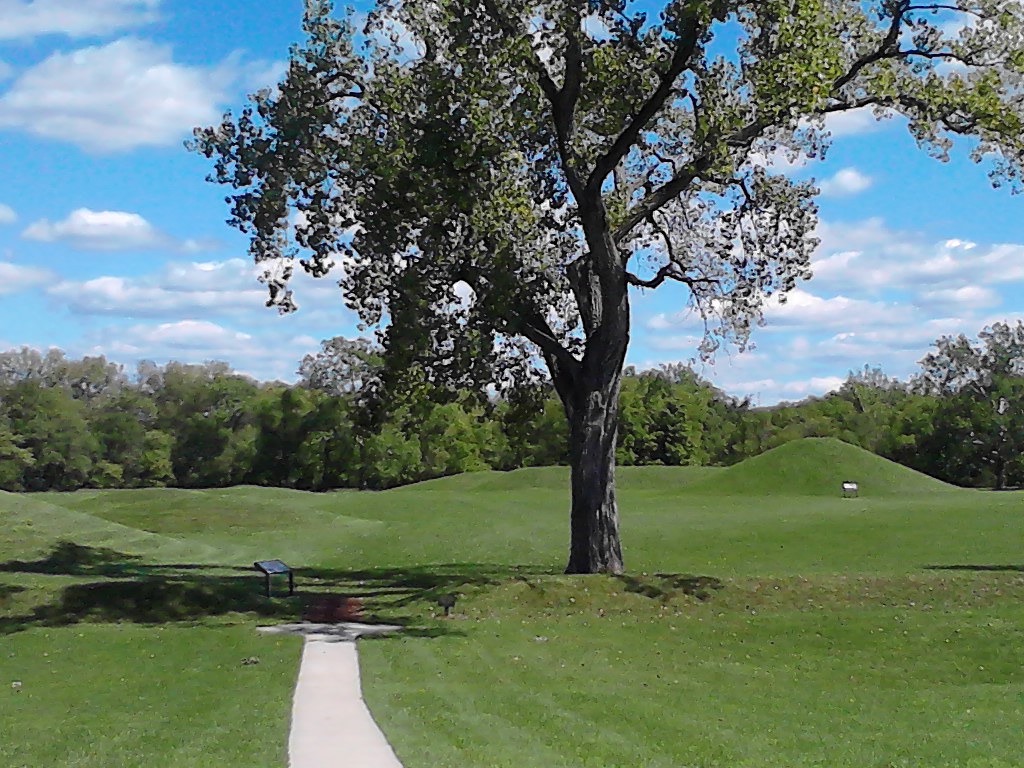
331 726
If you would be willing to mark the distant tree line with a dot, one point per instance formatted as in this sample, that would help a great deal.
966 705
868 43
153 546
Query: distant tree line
67 424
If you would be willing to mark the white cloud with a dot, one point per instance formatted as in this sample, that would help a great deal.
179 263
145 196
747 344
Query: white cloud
777 158
880 297
898 345
965 298
181 290
853 122
111 231
688 343
262 74
858 235
119 296
816 385
800 309
184 334
232 274
804 309
595 27
787 378
15 278
870 256
262 355
7 214
74 18
665 322
185 290
115 97
767 391
99 231
847 182
6 70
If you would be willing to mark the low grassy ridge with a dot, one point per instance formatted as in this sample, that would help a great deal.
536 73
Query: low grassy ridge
764 621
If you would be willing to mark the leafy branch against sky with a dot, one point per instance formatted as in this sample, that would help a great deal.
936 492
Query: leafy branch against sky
111 243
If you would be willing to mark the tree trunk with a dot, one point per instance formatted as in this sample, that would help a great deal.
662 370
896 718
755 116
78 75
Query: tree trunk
593 425
590 394
1000 467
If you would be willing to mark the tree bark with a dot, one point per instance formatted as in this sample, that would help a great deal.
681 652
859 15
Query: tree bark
595 546
591 398
1000 467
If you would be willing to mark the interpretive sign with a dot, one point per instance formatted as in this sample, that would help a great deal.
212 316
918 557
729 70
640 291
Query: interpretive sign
272 567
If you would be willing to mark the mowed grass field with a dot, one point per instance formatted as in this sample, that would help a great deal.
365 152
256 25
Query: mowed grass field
764 621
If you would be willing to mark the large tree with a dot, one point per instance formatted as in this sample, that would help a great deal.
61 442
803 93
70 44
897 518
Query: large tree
981 384
489 178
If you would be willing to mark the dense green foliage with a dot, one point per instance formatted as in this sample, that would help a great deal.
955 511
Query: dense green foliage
777 627
495 176
68 424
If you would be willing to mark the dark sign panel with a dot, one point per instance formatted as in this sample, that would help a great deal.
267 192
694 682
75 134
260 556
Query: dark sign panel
271 566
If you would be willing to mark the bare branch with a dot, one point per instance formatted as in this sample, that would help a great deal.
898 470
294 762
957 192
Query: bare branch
939 7
664 236
670 271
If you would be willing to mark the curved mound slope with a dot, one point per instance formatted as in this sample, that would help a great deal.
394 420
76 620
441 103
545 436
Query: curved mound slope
817 466
657 479
32 525
549 478
241 510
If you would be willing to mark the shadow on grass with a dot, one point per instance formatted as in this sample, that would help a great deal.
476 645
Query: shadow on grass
7 590
662 586
970 567
125 589
70 559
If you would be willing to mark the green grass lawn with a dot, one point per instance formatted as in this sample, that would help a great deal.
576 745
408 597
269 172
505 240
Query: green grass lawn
764 621
125 696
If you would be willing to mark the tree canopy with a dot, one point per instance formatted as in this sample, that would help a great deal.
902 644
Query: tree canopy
488 178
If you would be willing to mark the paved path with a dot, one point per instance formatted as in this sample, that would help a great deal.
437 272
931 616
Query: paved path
331 726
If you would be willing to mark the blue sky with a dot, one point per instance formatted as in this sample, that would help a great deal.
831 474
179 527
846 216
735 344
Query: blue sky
112 243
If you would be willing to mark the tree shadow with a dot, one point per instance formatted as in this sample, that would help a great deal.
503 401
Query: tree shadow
398 587
972 567
7 590
123 588
663 586
70 559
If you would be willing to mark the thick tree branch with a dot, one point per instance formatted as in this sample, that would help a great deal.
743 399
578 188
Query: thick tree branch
686 44
660 197
682 179
536 330
562 101
529 322
572 85
887 47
